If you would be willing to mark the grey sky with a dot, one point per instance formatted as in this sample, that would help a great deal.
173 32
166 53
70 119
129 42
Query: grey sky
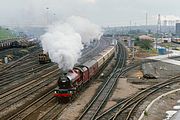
102 12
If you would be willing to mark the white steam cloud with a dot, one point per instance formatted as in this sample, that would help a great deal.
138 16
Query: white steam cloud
63 41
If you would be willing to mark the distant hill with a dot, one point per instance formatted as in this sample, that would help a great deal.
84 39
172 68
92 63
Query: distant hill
31 31
6 33
126 29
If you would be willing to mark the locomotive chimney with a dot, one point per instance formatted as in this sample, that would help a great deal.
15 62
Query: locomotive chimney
63 72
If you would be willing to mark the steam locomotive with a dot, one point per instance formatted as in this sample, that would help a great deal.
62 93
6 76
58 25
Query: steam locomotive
44 58
70 83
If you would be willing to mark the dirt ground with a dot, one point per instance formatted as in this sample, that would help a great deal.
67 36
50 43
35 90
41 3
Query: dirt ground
159 108
123 90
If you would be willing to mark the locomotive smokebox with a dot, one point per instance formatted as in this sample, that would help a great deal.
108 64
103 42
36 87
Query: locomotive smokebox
62 76
63 81
63 72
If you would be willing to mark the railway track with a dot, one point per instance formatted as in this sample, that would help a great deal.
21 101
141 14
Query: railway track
23 59
91 52
54 112
27 92
43 108
21 78
33 107
15 72
19 75
138 99
87 54
25 86
89 49
18 69
93 108
20 99
125 108
107 113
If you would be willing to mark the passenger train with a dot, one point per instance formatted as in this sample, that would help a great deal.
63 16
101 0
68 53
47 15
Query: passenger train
70 83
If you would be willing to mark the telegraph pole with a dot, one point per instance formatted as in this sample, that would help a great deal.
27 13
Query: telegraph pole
130 24
158 28
146 21
159 24
133 56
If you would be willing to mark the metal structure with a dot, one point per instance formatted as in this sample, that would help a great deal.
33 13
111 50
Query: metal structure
146 22
158 28
178 29
159 24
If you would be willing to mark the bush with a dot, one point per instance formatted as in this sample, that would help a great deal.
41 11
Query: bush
144 44
146 113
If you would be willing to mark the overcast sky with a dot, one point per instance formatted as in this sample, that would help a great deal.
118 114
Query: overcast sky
101 12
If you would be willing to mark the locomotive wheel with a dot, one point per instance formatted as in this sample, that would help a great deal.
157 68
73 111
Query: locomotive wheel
59 100
82 87
71 99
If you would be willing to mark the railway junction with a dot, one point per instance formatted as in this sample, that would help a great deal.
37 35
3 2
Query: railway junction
124 89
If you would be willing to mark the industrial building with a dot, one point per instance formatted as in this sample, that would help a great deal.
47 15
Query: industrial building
178 29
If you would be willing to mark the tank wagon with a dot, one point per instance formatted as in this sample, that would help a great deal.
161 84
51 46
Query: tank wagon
70 84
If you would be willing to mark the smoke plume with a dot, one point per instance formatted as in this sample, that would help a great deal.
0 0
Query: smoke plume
63 41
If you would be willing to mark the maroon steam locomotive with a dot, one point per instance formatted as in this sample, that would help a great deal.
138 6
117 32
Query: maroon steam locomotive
70 84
